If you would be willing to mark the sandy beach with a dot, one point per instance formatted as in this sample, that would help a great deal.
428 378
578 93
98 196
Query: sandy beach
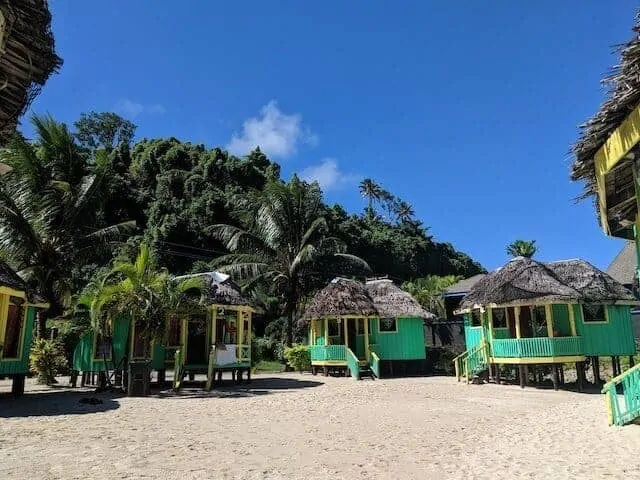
304 427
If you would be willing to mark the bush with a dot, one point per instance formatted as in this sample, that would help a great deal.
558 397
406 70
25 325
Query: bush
47 359
265 349
440 360
298 357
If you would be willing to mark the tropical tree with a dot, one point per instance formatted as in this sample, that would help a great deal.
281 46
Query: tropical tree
142 290
282 242
428 291
49 204
404 211
522 248
371 191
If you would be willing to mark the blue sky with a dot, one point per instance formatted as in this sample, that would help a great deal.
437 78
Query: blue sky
465 109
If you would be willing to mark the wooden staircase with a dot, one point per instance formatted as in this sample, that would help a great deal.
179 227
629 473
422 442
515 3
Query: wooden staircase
626 410
471 363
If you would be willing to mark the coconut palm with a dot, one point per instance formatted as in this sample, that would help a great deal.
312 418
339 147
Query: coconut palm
428 291
49 200
141 290
282 243
404 211
371 191
522 248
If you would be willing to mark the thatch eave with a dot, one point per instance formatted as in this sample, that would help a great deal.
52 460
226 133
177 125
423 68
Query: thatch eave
27 58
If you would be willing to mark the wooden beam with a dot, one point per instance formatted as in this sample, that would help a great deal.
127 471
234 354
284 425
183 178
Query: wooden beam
548 312
517 312
572 320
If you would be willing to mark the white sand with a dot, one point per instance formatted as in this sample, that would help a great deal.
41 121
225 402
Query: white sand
339 428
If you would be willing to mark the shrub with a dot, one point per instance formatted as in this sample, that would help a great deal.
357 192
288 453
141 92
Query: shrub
298 357
265 349
47 359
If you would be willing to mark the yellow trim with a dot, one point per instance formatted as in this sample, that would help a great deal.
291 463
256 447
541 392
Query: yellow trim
4 290
619 143
367 349
610 398
490 322
214 325
572 320
346 333
326 332
548 312
534 360
327 363
23 327
517 312
240 330
606 316
4 314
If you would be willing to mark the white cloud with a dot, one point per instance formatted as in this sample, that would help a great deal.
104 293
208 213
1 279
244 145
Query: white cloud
328 175
131 109
276 133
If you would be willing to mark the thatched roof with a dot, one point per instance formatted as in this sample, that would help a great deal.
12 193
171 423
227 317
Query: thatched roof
624 266
27 58
623 96
463 286
9 278
525 281
342 297
220 289
392 302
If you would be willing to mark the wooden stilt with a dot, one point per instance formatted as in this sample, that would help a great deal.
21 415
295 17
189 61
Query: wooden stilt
17 385
596 370
162 377
631 361
614 366
561 374
554 376
526 375
192 376
497 372
73 380
580 374
523 375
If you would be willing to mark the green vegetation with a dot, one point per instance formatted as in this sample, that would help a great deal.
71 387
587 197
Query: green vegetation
428 291
47 359
298 357
78 202
522 248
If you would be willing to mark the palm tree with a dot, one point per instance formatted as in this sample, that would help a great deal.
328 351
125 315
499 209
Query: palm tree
522 248
49 200
404 211
428 291
371 191
282 243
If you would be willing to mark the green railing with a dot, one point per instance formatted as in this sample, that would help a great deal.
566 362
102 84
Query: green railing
353 364
374 363
536 347
178 369
471 361
323 353
621 413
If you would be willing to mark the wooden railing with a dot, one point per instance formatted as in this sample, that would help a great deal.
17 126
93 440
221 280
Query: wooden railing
471 361
536 347
621 413
328 353
353 364
374 363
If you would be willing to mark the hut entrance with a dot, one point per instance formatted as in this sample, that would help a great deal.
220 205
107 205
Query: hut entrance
197 341
355 331
525 323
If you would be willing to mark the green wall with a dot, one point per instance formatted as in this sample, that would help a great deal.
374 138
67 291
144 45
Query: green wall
405 344
472 335
83 360
607 339
21 366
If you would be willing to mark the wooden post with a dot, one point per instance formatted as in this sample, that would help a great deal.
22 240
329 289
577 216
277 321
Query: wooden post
596 370
572 320
562 374
326 332
517 313
162 377
548 312
346 332
631 361
17 385
614 366
497 373
366 337
554 376
580 375
523 375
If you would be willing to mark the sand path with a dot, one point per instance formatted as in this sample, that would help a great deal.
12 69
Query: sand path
304 427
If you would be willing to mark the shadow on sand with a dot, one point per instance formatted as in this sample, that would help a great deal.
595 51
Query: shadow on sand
56 402
258 386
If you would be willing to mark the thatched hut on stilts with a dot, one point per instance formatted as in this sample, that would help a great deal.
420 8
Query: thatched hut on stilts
530 314
365 329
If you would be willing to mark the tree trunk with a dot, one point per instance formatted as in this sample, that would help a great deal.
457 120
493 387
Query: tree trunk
41 323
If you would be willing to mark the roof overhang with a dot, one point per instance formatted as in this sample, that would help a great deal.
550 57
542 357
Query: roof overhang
616 169
541 302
